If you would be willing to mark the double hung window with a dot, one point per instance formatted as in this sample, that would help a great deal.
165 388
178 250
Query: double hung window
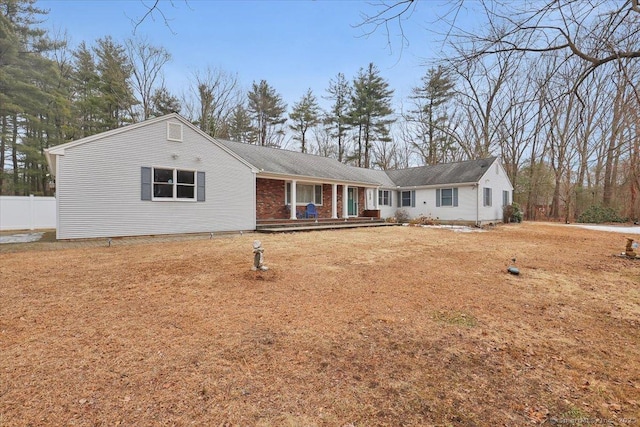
305 194
487 196
384 197
447 197
174 184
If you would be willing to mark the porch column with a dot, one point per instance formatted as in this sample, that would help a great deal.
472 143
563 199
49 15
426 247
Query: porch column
376 198
334 201
293 198
345 201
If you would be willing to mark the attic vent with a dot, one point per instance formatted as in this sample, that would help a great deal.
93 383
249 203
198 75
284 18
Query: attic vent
174 132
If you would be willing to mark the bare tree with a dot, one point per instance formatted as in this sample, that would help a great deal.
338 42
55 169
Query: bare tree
153 9
597 32
214 96
147 61
481 98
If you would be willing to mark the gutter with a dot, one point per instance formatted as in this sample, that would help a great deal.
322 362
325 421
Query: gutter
314 179
431 186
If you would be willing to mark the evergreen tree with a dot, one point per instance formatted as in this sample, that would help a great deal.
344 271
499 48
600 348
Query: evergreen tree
305 115
239 125
115 70
162 102
431 139
337 120
28 89
266 109
370 111
87 96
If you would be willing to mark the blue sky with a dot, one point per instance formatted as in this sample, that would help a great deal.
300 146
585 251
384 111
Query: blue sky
293 45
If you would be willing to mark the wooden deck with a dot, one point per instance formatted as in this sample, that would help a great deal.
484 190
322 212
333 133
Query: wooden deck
292 225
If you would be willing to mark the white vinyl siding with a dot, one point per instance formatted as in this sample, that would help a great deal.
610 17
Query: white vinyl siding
495 180
462 203
99 186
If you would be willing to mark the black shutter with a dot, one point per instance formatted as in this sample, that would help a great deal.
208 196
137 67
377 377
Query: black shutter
413 198
145 183
438 197
455 197
201 192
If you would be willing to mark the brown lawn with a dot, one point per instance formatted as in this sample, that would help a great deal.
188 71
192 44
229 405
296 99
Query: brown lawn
392 326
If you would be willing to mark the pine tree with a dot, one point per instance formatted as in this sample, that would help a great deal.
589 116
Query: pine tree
266 109
305 115
162 102
239 125
337 119
28 95
115 70
429 115
370 111
87 96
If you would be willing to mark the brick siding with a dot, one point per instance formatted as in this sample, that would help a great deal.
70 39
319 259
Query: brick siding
270 200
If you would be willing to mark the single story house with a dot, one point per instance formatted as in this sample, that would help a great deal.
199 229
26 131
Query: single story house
166 176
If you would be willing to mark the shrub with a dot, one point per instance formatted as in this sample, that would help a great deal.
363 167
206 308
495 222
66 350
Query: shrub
512 213
424 220
402 216
598 214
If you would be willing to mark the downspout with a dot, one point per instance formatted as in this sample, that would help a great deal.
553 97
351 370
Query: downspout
478 204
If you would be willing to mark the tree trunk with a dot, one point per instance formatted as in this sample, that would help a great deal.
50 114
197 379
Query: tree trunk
14 154
3 147
616 124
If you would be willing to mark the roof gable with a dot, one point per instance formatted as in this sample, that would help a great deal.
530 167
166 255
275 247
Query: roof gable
57 150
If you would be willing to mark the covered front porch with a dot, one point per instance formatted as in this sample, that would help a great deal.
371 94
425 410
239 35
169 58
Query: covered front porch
332 201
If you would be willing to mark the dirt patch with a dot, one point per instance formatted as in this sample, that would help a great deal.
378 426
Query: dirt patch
391 326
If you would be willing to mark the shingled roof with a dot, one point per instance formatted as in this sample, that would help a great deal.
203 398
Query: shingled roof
446 173
285 162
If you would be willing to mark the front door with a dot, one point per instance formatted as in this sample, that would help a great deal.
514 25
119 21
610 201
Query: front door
371 198
352 201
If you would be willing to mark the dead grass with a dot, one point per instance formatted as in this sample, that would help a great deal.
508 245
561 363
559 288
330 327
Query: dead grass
392 326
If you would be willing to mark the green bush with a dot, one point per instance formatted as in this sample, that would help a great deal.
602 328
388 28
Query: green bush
597 214
512 213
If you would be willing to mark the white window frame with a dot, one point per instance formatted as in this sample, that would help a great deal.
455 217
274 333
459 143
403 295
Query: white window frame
381 197
487 197
505 198
411 199
174 182
315 186
442 205
171 127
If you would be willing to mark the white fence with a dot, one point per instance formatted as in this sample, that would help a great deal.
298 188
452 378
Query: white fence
27 213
